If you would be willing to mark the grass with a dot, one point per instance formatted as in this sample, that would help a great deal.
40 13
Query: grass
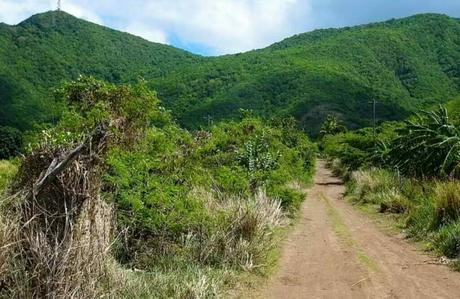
448 240
344 234
185 281
231 258
427 211
447 202
7 171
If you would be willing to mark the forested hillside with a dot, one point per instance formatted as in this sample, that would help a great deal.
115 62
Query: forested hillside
403 64
41 52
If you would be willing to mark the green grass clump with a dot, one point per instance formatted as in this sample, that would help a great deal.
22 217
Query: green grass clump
447 202
392 201
7 171
419 222
368 186
429 210
447 240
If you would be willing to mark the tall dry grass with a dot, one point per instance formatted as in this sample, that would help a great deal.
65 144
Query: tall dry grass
245 237
447 202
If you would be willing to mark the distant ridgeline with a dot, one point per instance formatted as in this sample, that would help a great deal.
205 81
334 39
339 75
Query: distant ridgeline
404 64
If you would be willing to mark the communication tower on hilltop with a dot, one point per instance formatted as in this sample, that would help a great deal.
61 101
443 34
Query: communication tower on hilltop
59 5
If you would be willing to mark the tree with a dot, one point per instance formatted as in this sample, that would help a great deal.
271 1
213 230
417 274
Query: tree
332 126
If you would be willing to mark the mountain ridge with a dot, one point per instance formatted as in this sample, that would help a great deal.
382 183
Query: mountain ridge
403 63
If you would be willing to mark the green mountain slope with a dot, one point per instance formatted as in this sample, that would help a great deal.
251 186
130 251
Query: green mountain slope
39 53
403 64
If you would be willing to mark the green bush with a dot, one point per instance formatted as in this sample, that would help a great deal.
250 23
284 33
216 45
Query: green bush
232 180
157 186
10 142
290 198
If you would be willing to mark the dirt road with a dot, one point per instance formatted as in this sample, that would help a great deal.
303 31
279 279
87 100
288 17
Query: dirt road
336 251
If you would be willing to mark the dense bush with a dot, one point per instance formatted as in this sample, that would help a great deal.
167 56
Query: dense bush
331 126
211 201
155 186
10 142
360 148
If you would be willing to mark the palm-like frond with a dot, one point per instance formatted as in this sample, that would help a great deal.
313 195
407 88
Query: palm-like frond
428 146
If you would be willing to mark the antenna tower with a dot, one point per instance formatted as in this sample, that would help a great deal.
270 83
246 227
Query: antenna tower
59 5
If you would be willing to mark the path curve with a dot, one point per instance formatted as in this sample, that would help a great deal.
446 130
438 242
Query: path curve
336 251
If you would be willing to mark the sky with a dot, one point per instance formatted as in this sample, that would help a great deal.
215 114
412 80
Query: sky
216 27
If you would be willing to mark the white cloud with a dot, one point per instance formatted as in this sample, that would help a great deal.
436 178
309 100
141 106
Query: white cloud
227 26
13 11
80 11
147 32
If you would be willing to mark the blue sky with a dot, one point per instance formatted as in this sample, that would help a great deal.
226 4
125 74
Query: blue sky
215 27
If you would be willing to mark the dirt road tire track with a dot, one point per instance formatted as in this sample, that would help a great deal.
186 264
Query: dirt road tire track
336 251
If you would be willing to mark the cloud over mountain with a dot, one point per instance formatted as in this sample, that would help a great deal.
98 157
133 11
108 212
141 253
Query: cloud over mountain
226 26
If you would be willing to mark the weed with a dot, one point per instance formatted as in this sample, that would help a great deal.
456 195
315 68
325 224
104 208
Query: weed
447 240
447 202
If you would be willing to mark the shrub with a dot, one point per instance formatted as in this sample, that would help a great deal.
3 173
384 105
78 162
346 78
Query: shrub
10 142
428 146
352 148
332 126
290 198
228 181
257 158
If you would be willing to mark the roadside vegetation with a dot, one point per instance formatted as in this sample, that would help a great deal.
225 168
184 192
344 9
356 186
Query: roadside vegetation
409 169
117 200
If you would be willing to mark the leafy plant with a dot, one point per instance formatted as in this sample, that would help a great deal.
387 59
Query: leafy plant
429 146
331 126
